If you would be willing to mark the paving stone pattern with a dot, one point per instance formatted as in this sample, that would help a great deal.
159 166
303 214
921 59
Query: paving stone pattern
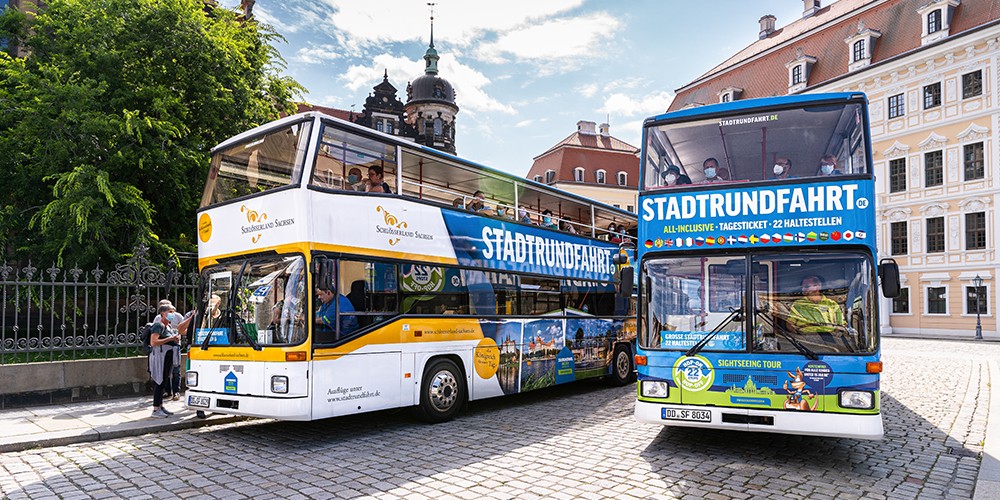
578 441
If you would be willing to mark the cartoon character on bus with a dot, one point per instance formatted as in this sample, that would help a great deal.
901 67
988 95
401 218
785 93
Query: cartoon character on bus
798 394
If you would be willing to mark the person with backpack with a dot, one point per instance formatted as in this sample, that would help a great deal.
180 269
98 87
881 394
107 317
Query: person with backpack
180 323
161 357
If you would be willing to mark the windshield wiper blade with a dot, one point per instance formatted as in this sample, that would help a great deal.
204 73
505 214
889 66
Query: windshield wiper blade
785 334
735 315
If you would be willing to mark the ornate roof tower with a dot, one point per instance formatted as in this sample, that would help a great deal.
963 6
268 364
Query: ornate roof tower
430 103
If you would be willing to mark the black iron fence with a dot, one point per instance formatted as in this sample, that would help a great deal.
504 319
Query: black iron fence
64 314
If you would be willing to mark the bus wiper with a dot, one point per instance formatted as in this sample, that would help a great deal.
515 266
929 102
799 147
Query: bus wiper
735 315
785 334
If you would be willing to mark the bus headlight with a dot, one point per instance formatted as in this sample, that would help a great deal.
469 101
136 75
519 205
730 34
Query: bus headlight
654 389
279 384
862 400
192 379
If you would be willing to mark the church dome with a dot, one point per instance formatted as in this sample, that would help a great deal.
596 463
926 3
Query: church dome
430 88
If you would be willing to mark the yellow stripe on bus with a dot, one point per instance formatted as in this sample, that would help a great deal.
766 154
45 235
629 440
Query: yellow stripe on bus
303 247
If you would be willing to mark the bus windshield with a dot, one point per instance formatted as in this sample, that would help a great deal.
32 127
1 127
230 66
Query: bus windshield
262 162
254 302
809 141
823 303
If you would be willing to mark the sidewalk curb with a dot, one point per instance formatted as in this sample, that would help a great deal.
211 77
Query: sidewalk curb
100 433
988 481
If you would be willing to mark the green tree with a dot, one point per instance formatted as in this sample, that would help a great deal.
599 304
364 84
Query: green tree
106 126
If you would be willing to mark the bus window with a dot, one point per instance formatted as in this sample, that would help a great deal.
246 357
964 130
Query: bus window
370 288
341 152
589 297
265 162
539 296
429 289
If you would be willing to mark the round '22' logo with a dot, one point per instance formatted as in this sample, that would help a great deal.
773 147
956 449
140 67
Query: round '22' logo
693 373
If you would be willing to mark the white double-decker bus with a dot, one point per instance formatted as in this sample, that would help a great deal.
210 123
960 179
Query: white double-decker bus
320 298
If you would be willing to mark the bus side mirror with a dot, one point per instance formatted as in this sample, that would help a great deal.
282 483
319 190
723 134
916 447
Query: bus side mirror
889 271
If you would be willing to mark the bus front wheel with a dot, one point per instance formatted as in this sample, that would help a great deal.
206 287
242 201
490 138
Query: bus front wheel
621 366
442 392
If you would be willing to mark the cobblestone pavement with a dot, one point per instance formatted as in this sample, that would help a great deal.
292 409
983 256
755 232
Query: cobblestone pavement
578 441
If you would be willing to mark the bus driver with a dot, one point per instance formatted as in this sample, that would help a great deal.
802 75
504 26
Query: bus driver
815 312
327 313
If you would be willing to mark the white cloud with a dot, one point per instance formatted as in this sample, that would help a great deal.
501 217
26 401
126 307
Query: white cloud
623 105
316 54
587 90
458 22
469 83
558 44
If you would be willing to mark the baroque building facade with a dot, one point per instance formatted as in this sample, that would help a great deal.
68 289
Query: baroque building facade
929 69
592 163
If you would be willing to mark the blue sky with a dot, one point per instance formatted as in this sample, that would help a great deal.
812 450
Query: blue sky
524 72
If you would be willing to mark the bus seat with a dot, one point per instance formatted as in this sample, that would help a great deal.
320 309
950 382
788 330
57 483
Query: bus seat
358 300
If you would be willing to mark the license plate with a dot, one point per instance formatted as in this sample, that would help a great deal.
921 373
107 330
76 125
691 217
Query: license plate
199 401
693 415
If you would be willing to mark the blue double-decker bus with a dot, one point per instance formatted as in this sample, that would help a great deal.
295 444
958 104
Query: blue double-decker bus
758 268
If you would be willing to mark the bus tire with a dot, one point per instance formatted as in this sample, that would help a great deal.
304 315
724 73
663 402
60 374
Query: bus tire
622 370
442 391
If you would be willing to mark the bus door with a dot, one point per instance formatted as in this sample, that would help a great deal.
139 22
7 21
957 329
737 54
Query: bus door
357 364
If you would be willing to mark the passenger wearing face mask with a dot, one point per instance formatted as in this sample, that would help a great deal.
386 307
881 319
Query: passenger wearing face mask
782 167
713 173
354 179
522 216
674 177
547 220
828 166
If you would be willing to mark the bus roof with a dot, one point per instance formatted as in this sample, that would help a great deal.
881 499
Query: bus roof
309 115
746 104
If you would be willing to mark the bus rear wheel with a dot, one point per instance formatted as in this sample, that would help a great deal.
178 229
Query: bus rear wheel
442 392
621 366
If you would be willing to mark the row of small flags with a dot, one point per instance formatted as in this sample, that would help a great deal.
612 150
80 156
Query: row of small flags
754 239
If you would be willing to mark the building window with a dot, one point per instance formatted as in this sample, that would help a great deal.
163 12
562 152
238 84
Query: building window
901 304
934 21
897 175
389 127
898 234
538 178
600 175
935 235
973 160
937 300
975 231
725 97
438 126
977 297
617 205
933 168
622 178
378 125
932 95
972 84
896 106
858 50
578 174
550 176
630 208
797 75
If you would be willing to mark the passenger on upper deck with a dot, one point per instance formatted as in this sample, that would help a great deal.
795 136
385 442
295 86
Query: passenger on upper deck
354 179
522 216
458 203
715 173
547 220
478 204
376 182
782 167
567 225
674 177
828 166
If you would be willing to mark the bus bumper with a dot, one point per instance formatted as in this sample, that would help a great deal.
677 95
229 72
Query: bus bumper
751 420
295 408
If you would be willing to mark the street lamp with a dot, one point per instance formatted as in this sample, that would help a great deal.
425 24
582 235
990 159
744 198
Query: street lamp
978 283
